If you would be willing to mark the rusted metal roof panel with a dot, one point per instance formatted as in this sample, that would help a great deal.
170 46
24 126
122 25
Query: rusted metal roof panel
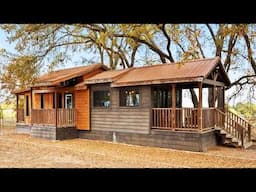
106 76
193 69
56 77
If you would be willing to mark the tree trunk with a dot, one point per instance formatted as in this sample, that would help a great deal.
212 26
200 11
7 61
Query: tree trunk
194 97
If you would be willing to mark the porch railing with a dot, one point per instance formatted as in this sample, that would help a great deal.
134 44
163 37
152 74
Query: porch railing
65 117
20 115
234 125
184 119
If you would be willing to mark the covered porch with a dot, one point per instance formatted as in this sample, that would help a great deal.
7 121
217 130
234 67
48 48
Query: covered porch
47 106
173 108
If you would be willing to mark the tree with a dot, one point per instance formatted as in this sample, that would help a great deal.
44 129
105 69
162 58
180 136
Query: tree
19 73
123 45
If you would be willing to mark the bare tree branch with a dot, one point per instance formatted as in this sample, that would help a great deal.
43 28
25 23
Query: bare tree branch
168 46
250 52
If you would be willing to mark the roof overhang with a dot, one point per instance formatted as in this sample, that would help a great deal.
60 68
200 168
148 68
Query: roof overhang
20 91
159 81
96 81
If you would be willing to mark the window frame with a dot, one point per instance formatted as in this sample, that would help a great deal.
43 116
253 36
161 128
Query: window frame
130 88
65 100
93 99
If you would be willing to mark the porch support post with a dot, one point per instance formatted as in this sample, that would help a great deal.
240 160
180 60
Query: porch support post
223 98
17 107
31 105
173 106
214 103
56 108
214 96
200 104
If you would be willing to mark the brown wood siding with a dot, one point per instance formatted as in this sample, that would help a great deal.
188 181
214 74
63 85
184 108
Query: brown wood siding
82 109
47 101
122 119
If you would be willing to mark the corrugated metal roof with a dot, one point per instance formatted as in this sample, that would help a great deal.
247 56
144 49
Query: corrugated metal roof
189 70
56 77
106 76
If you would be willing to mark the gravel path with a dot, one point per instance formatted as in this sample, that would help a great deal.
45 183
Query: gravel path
23 151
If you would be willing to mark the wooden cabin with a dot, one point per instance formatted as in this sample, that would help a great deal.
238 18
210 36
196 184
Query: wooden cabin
56 106
144 106
141 105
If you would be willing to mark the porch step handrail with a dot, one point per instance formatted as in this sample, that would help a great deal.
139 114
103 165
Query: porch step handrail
234 125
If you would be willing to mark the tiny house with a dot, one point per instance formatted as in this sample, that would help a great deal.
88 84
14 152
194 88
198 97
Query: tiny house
140 105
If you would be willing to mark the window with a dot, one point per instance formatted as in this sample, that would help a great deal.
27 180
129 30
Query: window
101 99
42 101
59 100
129 97
161 97
27 106
69 101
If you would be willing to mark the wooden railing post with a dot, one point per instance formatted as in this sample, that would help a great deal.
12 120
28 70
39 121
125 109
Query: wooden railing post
173 106
242 137
249 132
31 105
17 107
56 108
199 112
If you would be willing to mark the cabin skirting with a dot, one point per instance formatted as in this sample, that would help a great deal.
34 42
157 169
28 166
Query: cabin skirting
23 128
157 138
48 131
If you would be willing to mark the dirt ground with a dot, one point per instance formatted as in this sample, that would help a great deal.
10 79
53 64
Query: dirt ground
24 151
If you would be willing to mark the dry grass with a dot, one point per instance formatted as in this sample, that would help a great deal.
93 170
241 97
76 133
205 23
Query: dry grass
23 151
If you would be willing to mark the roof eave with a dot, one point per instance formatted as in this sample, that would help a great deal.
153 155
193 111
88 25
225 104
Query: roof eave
159 81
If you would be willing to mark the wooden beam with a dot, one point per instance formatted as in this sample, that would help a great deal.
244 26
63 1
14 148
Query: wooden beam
173 106
17 106
160 81
212 82
44 91
56 108
31 104
223 98
200 104
214 102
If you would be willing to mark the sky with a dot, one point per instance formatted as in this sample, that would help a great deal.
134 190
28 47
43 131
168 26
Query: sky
91 56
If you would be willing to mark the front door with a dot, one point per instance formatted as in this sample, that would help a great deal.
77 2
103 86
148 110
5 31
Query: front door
69 101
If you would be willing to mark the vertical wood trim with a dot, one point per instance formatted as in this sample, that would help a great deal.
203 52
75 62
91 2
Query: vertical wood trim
89 108
56 108
214 104
200 102
31 104
223 98
173 106
17 106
